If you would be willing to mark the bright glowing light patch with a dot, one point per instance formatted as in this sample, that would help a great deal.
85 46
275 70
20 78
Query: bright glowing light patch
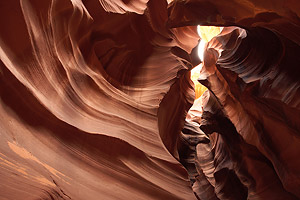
195 74
201 48
195 71
208 32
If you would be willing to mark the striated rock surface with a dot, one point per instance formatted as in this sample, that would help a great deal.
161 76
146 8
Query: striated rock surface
96 100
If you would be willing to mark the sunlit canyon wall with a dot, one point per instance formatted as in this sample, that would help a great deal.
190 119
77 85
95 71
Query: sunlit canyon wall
96 97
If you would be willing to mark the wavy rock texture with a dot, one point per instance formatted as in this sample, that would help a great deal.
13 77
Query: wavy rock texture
95 94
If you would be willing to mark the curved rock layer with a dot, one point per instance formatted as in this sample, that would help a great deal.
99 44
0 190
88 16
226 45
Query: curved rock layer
95 94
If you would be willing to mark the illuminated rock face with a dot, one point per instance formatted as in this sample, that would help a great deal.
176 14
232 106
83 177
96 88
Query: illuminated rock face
95 94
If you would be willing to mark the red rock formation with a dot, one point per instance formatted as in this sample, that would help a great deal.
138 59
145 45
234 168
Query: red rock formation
94 98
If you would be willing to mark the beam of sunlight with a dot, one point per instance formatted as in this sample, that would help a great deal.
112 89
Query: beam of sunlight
206 33
201 48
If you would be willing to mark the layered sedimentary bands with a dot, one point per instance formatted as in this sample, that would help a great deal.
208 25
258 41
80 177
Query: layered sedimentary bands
97 100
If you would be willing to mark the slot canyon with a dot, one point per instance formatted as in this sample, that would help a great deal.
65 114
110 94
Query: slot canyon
150 99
